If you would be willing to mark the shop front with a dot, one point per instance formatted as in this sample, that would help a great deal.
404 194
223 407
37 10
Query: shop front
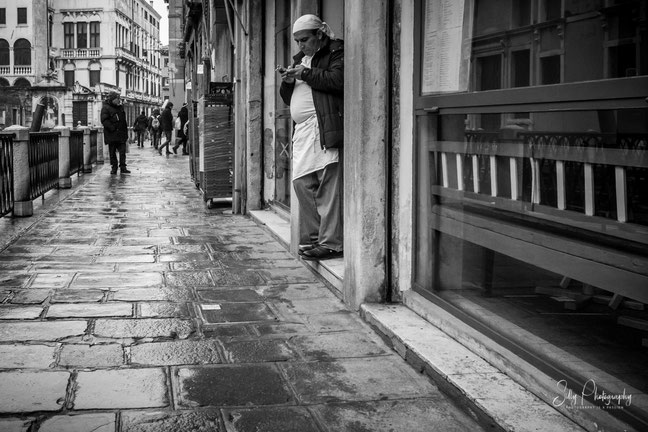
531 185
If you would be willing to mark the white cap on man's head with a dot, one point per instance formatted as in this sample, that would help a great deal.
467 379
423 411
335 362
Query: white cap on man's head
312 22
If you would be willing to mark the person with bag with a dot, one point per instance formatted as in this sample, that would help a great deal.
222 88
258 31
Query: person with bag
181 123
166 122
155 131
140 126
313 88
113 119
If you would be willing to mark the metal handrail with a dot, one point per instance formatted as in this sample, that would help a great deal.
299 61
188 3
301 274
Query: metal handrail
76 151
43 163
6 174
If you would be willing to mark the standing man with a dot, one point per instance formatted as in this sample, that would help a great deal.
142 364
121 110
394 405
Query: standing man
140 125
313 87
183 115
154 128
166 122
113 119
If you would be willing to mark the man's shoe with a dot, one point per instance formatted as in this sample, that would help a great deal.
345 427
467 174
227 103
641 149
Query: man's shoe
125 171
113 171
185 154
306 247
321 253
175 150
160 151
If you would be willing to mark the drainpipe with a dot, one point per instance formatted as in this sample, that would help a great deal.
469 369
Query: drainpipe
388 155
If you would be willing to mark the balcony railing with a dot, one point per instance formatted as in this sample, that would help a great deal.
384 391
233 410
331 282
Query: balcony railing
81 52
22 70
4 70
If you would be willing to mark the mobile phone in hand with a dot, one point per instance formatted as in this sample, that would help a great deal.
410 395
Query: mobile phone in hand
281 69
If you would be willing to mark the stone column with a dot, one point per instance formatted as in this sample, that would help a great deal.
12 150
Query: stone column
23 205
100 146
64 157
365 136
87 160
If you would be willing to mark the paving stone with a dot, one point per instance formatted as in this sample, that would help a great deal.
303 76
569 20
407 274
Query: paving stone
287 275
193 265
82 310
51 280
311 306
288 419
91 356
125 267
164 310
356 380
281 329
99 422
230 295
325 347
331 322
16 280
23 392
188 279
238 312
41 331
118 280
78 296
258 351
121 388
175 421
291 292
407 415
182 352
20 312
231 386
142 328
15 425
224 278
31 296
152 294
126 259
27 356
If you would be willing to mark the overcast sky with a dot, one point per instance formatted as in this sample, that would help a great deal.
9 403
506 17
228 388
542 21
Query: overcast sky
161 8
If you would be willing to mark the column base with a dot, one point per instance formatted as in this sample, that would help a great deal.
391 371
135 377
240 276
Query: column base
65 183
87 169
23 208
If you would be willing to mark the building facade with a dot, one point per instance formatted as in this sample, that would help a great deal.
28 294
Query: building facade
495 166
89 48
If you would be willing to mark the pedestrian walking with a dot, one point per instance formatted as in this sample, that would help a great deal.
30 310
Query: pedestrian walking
166 122
313 88
113 119
183 117
155 130
140 126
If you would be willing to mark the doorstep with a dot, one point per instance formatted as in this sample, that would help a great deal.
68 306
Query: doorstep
492 397
331 270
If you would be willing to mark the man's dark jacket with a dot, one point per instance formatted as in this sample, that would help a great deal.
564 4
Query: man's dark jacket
113 119
166 120
326 78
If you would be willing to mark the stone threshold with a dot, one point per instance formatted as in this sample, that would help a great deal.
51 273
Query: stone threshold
492 397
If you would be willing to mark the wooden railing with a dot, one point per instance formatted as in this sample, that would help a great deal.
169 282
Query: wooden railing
572 203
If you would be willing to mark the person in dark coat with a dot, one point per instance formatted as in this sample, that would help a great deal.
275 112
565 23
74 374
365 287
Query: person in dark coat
166 121
113 119
183 115
313 88
140 126
154 128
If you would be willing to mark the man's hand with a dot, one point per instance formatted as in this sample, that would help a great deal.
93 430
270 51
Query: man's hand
293 73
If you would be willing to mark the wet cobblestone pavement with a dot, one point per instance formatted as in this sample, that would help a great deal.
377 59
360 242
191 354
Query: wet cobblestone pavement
127 305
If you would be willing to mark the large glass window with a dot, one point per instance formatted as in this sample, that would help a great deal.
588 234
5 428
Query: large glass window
22 15
532 182
95 35
68 35
82 35
22 52
3 16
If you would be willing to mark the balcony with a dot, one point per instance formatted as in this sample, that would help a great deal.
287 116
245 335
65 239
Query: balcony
80 53
22 70
4 70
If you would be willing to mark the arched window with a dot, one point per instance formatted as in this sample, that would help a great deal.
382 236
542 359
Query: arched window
22 53
4 53
22 82
4 82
